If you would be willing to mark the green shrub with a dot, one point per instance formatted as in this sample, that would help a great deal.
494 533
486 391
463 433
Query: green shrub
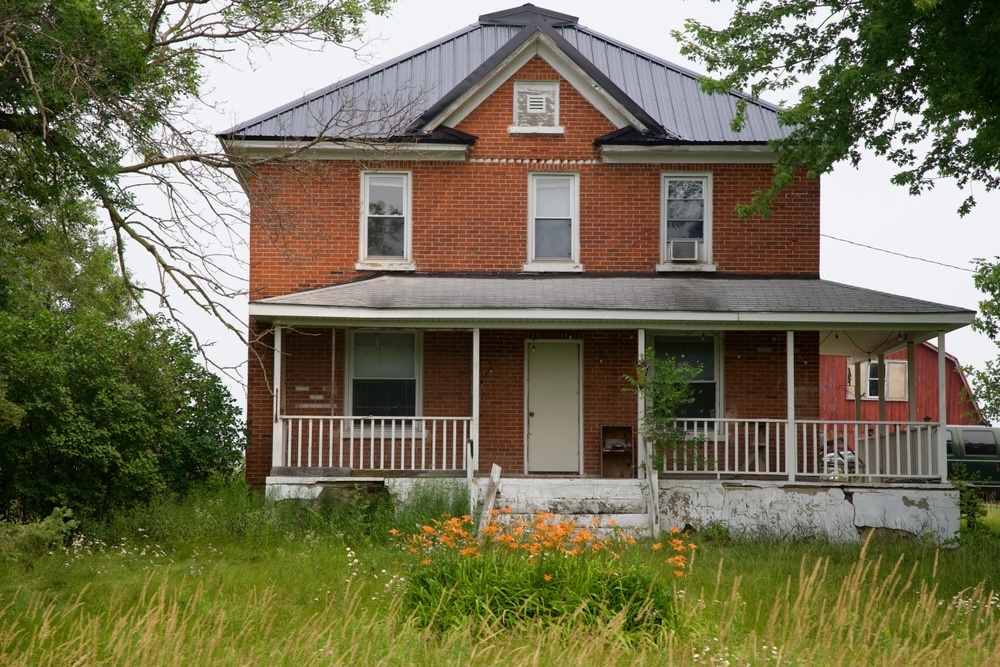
24 543
971 506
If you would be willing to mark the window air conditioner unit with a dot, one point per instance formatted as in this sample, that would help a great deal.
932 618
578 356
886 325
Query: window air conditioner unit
684 251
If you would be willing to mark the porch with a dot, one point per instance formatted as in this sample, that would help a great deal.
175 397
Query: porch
399 378
722 449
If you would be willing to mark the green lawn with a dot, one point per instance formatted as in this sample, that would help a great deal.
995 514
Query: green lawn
225 580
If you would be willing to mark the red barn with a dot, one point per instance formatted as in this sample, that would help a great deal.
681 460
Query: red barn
840 380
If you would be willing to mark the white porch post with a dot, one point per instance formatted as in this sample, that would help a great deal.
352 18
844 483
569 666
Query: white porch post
857 391
911 380
472 456
640 440
942 457
881 387
276 433
791 439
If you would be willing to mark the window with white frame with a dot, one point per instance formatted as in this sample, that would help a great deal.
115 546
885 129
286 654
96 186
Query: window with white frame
692 351
385 224
536 107
686 221
894 381
384 373
553 225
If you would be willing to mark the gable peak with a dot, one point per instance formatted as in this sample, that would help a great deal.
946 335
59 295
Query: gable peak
527 14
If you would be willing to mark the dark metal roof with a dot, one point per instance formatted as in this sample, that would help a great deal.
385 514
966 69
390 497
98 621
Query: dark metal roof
717 294
401 94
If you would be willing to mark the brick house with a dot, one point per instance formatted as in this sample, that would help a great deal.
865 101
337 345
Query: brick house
455 257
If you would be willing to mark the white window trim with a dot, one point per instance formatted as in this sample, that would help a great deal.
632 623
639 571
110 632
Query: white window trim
418 361
532 129
555 265
404 263
705 262
865 371
719 359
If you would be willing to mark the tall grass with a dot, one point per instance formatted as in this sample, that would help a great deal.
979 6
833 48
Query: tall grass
231 580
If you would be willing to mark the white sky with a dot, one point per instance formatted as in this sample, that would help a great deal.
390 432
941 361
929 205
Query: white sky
860 206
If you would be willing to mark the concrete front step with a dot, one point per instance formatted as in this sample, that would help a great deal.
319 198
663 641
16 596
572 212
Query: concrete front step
613 503
602 497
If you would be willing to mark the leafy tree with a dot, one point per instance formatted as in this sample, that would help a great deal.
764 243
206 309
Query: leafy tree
665 386
914 81
96 102
987 380
98 409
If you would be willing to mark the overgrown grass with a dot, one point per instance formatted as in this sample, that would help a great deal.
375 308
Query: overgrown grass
227 579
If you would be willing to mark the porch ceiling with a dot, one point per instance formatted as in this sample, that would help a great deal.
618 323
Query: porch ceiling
852 321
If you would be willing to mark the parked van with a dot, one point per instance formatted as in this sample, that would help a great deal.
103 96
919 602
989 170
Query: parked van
974 447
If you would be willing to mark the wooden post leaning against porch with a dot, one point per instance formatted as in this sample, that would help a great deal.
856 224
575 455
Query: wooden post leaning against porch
276 381
942 456
791 439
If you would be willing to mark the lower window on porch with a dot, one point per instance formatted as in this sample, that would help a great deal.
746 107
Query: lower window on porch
384 373
694 352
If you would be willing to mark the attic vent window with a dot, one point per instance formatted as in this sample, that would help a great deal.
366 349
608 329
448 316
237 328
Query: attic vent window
536 108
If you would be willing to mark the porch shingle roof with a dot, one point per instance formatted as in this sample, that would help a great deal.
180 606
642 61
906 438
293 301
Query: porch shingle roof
717 294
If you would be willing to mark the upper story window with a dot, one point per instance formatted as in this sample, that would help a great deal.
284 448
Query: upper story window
553 224
536 108
386 224
685 223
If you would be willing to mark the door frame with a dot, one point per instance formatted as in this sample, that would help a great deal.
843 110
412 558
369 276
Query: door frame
578 342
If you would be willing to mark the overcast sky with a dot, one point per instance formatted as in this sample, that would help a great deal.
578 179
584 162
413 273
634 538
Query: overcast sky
857 205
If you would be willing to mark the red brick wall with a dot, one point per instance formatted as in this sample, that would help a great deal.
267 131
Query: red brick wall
259 404
448 374
472 215
755 375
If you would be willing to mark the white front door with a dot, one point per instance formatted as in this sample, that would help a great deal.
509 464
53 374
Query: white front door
553 406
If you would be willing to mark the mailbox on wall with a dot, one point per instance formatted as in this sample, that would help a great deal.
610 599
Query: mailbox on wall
617 451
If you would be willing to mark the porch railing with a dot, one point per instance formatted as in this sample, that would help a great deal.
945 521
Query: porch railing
375 443
729 447
824 450
870 451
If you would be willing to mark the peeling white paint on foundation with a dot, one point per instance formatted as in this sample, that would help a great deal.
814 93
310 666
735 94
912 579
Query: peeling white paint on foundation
747 509
794 511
